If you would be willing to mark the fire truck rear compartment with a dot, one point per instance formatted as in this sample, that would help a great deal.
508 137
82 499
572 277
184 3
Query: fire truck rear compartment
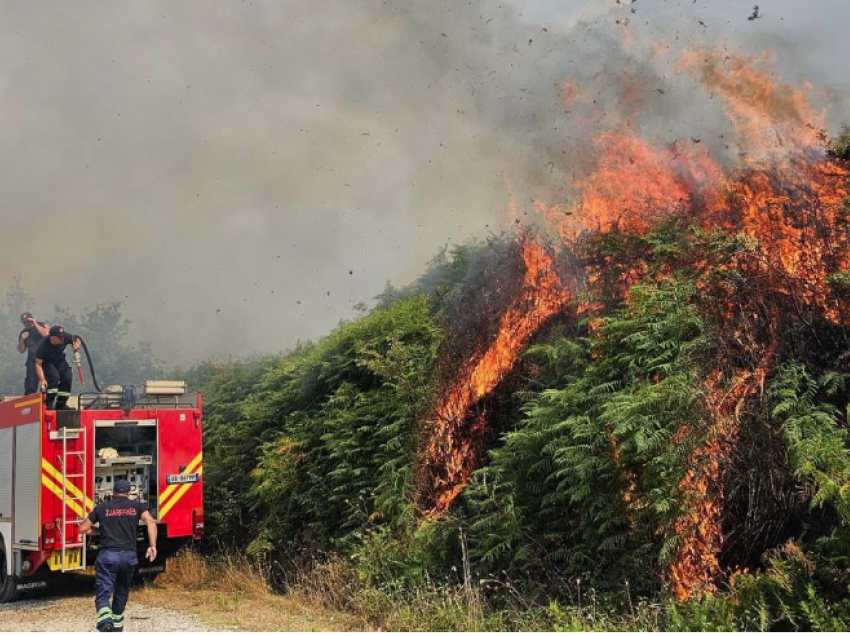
136 461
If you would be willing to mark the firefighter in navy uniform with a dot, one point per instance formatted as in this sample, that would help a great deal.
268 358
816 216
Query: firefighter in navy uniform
53 370
28 340
117 555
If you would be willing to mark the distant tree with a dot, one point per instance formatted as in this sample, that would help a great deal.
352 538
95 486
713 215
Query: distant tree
12 372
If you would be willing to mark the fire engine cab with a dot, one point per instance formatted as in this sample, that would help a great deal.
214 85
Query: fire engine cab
55 466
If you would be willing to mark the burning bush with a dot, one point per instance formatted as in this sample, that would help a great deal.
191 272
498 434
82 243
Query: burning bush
654 402
659 445
759 255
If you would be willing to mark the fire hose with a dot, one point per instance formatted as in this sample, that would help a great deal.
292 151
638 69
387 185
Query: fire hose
78 361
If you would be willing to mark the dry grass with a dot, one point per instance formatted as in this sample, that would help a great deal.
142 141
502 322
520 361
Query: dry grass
230 593
333 586
327 585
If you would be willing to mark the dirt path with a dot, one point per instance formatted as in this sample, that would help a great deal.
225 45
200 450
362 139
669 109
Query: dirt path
172 605
71 609
77 615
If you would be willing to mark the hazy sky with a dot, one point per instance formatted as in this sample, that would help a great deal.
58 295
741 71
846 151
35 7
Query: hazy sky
240 174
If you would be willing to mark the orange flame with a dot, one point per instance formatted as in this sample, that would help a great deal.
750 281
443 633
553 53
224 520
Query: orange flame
771 117
633 185
697 567
454 449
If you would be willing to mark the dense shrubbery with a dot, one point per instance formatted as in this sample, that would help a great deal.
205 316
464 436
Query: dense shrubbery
307 450
311 455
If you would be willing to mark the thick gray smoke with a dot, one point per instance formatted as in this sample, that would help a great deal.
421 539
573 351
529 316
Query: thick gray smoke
241 174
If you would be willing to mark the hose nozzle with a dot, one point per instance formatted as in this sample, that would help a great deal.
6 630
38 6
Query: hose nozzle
78 362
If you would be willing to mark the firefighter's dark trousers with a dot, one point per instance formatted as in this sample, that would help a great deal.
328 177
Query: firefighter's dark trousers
59 378
114 571
31 383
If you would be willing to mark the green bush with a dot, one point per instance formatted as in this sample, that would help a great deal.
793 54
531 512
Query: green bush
587 485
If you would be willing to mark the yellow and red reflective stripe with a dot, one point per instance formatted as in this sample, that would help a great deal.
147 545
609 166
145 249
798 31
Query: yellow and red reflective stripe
57 490
50 469
20 405
163 510
188 470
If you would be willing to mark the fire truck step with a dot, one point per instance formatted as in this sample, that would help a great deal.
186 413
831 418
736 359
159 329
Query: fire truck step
76 453
69 546
74 476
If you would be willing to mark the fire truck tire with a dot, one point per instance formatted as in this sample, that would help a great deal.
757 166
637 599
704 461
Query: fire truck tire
8 583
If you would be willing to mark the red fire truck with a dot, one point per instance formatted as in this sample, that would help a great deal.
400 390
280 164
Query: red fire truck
55 466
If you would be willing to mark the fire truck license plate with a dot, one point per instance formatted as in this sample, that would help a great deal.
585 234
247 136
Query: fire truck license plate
191 478
73 560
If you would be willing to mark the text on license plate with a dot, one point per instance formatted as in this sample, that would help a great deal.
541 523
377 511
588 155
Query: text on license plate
191 478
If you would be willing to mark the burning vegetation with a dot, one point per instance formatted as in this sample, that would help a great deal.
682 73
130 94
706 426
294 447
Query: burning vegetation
774 295
456 441
646 395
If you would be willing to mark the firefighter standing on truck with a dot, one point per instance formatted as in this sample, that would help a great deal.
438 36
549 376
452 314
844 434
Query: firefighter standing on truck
28 340
117 555
53 370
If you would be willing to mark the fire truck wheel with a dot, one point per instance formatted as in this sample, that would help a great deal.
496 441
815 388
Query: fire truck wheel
8 583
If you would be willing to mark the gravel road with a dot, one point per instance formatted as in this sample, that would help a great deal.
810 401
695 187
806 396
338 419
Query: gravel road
73 611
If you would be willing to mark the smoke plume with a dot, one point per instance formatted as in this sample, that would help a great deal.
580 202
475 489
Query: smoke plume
241 174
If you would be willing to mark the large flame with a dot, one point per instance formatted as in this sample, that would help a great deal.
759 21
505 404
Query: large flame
771 117
455 446
633 185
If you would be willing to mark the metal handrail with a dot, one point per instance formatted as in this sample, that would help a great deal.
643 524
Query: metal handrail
90 401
